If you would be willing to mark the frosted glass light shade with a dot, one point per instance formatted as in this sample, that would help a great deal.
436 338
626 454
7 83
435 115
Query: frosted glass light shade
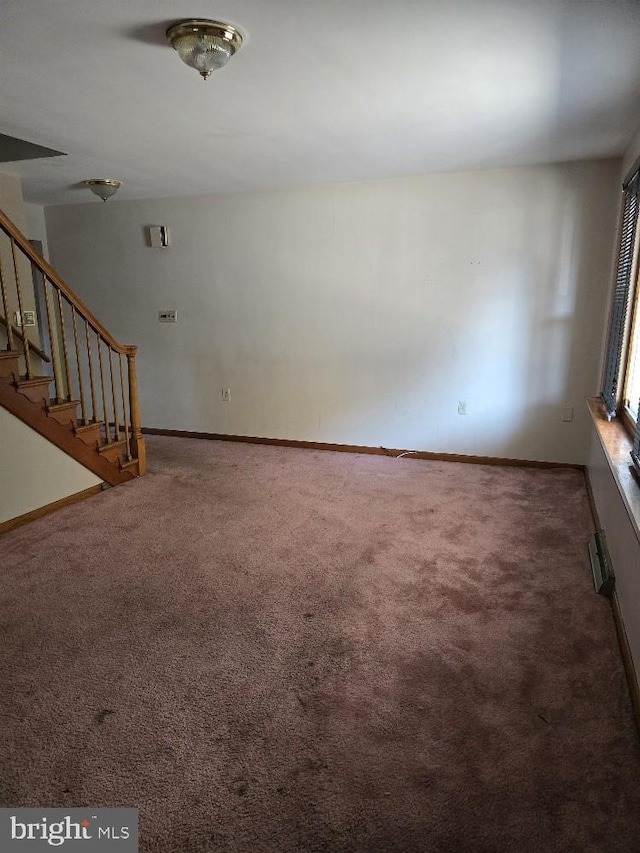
204 53
103 187
204 45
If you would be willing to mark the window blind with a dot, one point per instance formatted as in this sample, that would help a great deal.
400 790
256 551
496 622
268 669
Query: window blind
617 319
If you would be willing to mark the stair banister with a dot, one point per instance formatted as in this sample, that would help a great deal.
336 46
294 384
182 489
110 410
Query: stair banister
10 229
74 356
5 308
25 337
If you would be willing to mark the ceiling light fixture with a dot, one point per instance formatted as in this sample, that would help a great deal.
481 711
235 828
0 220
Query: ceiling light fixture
204 45
103 187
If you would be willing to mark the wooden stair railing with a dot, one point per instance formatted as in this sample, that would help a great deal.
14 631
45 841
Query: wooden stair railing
88 364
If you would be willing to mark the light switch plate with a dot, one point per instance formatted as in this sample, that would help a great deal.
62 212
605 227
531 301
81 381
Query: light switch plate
27 318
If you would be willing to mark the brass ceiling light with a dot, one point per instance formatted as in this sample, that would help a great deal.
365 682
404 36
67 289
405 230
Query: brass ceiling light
204 45
103 187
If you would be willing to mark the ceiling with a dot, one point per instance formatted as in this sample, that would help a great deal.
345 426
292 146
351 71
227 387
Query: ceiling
321 91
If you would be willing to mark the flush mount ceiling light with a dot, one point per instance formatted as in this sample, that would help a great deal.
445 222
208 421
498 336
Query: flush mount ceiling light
204 45
103 187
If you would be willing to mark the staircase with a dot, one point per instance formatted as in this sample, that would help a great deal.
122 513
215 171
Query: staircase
61 372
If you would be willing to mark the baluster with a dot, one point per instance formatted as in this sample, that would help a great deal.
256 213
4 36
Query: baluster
127 437
116 427
52 339
25 339
104 393
137 442
5 308
65 351
91 378
80 382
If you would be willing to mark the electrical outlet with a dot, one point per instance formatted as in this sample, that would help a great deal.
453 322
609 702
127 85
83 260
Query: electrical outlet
226 395
169 315
567 414
462 407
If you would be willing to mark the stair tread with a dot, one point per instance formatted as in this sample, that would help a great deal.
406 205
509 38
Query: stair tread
87 427
10 353
34 380
129 464
110 444
63 435
68 404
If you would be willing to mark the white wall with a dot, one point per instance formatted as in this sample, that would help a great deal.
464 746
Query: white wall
35 226
631 155
34 472
363 313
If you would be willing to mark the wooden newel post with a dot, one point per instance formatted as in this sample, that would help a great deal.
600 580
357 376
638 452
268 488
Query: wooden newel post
137 440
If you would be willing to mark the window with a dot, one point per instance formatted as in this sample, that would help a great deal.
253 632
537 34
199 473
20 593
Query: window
631 387
621 376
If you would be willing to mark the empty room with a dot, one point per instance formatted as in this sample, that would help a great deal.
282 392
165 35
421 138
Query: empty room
319 426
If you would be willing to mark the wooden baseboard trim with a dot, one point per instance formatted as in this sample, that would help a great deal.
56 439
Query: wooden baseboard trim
627 658
357 448
52 507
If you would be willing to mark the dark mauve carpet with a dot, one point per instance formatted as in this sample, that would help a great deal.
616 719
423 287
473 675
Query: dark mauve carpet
268 649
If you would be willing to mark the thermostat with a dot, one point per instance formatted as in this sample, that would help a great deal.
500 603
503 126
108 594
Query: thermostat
158 236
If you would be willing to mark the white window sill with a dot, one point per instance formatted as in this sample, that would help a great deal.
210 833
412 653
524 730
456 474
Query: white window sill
617 444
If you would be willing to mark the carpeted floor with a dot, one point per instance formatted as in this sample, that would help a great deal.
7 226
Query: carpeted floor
267 649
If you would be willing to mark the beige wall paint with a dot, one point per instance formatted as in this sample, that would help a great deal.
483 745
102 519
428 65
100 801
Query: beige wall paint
34 472
363 313
29 218
11 201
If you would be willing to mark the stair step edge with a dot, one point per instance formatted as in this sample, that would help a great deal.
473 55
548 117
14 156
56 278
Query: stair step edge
111 444
91 425
23 382
58 407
